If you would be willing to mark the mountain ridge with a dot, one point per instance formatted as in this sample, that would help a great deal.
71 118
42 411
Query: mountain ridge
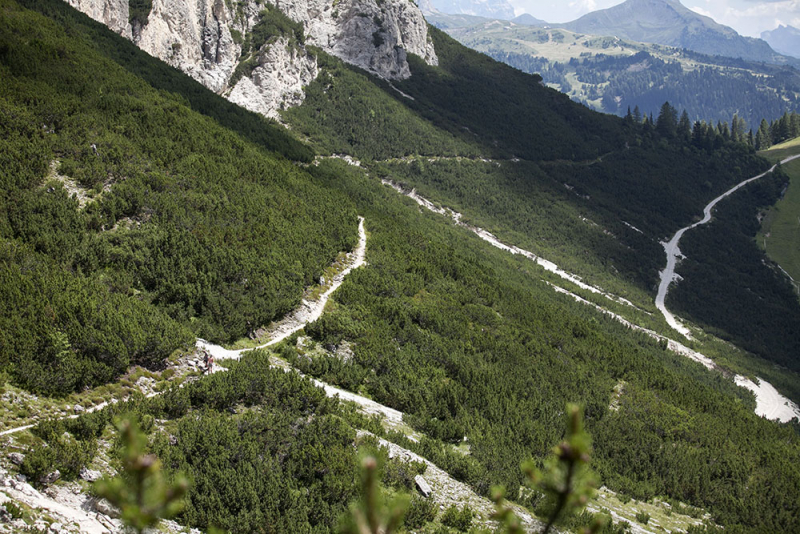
669 22
784 39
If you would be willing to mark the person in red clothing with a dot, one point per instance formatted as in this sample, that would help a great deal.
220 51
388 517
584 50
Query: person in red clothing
209 361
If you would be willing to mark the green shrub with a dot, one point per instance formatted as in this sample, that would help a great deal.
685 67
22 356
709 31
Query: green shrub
62 451
400 474
643 517
13 509
38 463
420 512
460 520
4 377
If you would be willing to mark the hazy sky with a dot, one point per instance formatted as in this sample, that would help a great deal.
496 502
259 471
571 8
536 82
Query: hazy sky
748 17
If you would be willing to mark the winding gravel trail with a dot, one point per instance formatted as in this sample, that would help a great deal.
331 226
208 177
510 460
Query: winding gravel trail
308 312
673 252
447 490
769 402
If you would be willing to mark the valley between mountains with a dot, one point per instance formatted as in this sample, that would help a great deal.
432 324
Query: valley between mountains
405 250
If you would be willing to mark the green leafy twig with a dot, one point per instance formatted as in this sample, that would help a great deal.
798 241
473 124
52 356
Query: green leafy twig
566 480
140 492
371 515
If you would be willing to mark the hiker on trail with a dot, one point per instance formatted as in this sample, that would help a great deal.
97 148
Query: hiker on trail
209 361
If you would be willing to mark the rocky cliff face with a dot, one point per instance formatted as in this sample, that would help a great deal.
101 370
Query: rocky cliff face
278 80
112 13
194 36
374 35
214 42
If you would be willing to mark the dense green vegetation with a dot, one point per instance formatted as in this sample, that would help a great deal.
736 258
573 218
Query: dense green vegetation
347 112
779 235
727 285
655 184
706 93
284 462
202 232
776 132
525 204
470 343
510 114
187 229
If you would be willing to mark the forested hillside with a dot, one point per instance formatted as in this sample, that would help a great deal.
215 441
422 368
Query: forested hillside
728 286
611 74
555 164
132 224
613 188
470 343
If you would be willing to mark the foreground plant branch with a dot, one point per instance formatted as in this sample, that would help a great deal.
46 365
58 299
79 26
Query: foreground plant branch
566 481
140 492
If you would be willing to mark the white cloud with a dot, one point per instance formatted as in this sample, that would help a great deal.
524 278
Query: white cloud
749 17
581 7
701 11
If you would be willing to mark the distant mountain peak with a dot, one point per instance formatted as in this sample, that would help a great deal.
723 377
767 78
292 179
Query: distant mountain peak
669 22
785 39
500 9
527 19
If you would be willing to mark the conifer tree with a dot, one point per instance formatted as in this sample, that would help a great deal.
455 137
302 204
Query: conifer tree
667 123
685 127
763 138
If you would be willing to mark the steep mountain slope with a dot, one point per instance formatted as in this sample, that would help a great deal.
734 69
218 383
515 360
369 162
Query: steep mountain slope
131 223
469 340
668 22
579 150
784 39
613 191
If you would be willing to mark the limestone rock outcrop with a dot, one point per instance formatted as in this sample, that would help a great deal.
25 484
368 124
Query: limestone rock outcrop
373 35
205 39
194 36
278 80
112 13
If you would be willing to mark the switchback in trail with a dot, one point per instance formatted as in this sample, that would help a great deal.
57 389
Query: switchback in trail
310 307
674 253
